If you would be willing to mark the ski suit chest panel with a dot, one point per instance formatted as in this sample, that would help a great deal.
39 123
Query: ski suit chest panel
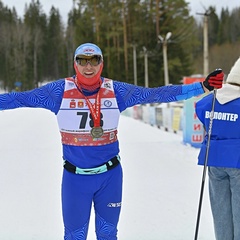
74 117
224 148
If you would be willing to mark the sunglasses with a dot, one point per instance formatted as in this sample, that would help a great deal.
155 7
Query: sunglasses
94 61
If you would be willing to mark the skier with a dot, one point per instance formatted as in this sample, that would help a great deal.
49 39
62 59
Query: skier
223 155
88 107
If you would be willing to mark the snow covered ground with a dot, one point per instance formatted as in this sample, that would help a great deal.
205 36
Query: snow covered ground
161 181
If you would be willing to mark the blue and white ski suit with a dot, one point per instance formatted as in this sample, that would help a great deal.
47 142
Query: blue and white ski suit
79 191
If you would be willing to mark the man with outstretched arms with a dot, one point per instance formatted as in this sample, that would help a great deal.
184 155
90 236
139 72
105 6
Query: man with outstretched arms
88 108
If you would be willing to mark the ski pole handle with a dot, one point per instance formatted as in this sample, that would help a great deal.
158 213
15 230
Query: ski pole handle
214 80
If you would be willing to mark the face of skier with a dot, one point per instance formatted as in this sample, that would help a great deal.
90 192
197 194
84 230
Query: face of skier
89 66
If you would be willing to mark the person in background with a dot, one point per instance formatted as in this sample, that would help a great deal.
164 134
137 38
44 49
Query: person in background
88 107
224 155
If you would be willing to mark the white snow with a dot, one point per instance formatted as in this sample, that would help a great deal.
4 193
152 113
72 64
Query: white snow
161 181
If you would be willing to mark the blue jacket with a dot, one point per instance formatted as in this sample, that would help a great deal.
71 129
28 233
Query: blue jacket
224 150
127 95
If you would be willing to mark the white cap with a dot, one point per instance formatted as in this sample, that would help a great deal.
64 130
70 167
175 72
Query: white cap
88 49
234 75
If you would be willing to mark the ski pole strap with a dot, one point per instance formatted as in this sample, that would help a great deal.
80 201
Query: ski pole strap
112 163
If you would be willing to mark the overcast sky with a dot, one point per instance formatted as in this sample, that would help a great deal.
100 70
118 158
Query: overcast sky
64 6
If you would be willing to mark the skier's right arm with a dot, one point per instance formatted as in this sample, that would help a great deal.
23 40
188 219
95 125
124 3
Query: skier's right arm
48 96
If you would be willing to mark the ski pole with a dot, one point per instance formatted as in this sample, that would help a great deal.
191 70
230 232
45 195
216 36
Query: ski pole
205 164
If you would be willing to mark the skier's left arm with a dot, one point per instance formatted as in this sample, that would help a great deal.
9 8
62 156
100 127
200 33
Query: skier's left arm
129 95
213 81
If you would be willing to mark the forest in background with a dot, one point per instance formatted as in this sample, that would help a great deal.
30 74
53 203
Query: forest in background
39 46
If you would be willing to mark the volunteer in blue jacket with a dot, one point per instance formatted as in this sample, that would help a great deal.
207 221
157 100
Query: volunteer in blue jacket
88 108
224 155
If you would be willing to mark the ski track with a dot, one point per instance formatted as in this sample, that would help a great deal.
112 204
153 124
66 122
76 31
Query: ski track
161 181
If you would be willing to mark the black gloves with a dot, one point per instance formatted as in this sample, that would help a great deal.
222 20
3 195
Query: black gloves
214 80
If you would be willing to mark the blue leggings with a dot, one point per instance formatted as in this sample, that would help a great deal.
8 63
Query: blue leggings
78 194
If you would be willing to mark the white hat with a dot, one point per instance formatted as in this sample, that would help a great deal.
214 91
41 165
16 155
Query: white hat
234 75
88 49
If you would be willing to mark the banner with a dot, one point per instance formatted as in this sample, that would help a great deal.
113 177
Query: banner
193 131
177 113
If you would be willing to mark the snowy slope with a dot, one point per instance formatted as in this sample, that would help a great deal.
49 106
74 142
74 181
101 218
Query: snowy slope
161 181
